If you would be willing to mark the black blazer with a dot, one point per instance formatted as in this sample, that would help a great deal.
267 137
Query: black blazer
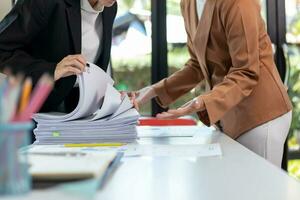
37 34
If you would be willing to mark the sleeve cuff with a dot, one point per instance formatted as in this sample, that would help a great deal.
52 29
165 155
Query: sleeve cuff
203 117
212 110
163 99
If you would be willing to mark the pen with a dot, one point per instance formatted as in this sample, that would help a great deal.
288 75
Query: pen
95 145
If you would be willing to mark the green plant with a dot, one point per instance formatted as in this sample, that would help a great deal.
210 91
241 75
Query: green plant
294 87
294 94
294 168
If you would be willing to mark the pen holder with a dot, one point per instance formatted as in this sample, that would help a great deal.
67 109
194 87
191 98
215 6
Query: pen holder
14 168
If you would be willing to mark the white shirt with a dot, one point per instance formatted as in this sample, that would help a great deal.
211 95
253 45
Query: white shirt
200 7
91 31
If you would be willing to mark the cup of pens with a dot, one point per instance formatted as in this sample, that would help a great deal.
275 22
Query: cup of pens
14 173
17 105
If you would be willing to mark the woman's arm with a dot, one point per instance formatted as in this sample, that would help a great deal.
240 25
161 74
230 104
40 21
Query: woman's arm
181 82
17 30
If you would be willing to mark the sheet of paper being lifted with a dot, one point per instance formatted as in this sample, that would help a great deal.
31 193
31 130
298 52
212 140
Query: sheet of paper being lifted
94 84
101 115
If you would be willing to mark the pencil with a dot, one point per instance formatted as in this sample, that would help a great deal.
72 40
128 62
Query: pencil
39 95
25 94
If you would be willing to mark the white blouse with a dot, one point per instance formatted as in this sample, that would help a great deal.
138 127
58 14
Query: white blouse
91 31
200 7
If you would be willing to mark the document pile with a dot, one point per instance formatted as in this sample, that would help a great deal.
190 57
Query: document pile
101 115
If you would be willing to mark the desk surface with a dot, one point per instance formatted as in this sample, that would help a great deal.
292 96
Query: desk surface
237 175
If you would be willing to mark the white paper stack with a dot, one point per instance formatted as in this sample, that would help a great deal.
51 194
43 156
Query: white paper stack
101 115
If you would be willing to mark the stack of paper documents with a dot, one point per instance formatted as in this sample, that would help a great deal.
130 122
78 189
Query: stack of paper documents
101 115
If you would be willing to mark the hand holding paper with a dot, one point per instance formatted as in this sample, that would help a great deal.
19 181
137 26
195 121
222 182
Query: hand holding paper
100 116
142 96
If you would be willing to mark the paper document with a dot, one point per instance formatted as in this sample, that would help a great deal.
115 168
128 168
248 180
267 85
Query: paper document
100 116
203 150
173 131
112 101
92 88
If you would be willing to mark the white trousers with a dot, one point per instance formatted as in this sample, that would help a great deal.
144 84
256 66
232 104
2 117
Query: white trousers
267 140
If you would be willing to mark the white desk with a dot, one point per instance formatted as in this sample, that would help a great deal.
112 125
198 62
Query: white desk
238 175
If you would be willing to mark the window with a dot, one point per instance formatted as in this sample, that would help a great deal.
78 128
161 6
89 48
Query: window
131 48
292 52
5 6
264 9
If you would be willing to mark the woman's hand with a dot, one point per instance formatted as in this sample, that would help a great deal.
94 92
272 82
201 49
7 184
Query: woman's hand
70 65
142 96
190 107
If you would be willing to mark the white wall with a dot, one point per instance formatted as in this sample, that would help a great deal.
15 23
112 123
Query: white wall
5 6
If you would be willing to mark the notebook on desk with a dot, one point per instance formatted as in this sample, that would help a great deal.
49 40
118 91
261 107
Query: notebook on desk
67 166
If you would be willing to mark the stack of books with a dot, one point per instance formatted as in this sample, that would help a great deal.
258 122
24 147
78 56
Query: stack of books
102 114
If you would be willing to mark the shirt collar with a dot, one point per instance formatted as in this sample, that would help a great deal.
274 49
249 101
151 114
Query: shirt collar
86 6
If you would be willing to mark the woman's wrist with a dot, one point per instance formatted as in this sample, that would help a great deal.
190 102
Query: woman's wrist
152 92
198 104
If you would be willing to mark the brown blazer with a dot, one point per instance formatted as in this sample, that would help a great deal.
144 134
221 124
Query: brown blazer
231 51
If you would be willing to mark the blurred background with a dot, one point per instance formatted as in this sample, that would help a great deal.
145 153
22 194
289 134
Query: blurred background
143 25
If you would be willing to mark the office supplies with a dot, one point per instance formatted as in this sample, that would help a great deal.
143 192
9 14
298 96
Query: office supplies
10 90
14 131
112 166
101 115
95 145
14 176
25 97
174 131
88 67
59 167
9 100
40 94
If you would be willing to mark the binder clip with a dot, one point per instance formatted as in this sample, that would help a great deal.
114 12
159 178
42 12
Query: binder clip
88 68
